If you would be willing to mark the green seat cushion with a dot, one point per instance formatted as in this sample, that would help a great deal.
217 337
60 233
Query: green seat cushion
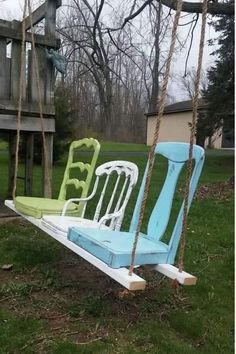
37 207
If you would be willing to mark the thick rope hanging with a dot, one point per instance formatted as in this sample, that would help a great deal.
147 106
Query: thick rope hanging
27 3
192 135
40 97
151 157
21 87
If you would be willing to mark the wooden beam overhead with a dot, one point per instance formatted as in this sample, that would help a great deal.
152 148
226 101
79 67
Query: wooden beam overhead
39 14
30 124
47 41
5 23
28 108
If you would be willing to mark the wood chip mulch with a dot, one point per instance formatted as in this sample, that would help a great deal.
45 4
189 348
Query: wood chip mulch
219 190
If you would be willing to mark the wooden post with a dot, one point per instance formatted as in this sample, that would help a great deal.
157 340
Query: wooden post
50 30
3 69
14 95
15 70
39 14
50 18
33 92
47 172
29 163
29 77
33 95
16 66
11 162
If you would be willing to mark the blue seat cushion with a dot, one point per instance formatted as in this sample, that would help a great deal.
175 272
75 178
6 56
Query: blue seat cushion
114 247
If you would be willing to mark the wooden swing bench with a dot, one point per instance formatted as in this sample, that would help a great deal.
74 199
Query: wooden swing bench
110 249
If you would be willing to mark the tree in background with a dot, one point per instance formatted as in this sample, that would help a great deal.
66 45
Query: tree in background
64 121
113 66
205 128
187 82
115 55
64 124
220 91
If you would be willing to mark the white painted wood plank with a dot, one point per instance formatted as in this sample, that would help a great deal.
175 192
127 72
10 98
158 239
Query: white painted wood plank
133 282
173 272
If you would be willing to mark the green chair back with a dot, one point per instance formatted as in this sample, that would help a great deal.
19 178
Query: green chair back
73 163
37 207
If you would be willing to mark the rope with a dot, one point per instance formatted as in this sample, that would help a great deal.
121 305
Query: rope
19 104
192 136
151 157
40 98
20 99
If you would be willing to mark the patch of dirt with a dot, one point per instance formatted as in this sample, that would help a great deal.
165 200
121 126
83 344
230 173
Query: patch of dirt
77 282
5 212
84 276
84 305
10 276
219 190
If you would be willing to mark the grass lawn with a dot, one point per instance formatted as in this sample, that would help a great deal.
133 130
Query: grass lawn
111 146
53 302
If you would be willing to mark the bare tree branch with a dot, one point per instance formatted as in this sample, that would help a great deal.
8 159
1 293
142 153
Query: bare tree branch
191 43
214 8
131 17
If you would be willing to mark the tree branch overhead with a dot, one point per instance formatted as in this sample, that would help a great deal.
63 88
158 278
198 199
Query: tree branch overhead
214 8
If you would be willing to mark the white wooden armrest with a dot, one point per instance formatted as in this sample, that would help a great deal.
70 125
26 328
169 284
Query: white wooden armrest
71 200
109 216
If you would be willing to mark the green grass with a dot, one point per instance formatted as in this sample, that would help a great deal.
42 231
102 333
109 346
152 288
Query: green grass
3 145
15 333
54 302
120 147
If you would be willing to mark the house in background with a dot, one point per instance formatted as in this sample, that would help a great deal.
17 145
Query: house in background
175 124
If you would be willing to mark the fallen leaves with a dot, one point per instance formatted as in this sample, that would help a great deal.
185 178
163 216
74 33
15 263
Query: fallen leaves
219 190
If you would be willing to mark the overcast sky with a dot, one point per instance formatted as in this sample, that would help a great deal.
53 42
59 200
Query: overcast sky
10 9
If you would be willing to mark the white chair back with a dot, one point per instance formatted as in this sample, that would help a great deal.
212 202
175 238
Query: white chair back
121 177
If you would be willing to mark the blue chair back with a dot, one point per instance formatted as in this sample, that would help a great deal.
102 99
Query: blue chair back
177 154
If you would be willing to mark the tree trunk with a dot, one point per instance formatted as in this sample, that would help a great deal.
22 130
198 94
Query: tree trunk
155 70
